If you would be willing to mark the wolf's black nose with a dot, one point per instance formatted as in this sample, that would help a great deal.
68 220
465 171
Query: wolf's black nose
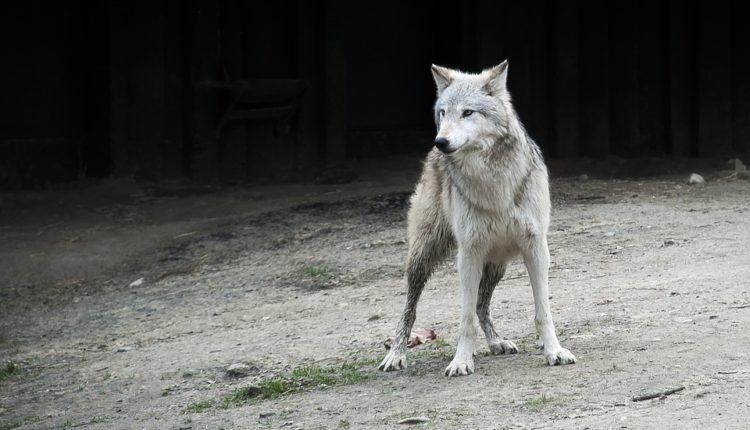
442 143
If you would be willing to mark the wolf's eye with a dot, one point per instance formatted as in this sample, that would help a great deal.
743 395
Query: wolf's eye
467 113
441 113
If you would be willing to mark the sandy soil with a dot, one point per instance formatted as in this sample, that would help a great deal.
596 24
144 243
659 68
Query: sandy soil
649 286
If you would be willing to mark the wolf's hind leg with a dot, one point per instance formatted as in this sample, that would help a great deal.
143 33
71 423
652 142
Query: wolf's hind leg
491 276
427 248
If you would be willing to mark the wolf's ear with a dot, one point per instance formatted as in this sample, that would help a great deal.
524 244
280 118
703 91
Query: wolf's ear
497 78
443 77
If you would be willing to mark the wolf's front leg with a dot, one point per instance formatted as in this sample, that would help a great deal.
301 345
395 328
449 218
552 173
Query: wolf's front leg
395 359
536 259
470 273
424 254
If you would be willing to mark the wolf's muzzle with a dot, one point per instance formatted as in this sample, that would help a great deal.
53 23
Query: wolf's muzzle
443 145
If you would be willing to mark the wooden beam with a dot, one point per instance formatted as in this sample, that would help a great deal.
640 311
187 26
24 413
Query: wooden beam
334 82
566 117
683 74
715 79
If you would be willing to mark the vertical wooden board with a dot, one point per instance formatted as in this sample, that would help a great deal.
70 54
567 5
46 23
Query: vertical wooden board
95 38
447 50
565 116
518 45
173 150
144 96
232 144
683 68
740 80
491 35
203 65
120 58
653 85
334 82
539 121
715 90
594 81
469 20
624 130
308 116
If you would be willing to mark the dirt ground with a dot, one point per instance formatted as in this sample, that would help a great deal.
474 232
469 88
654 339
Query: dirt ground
649 284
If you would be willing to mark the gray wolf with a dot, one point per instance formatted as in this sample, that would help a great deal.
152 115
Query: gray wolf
485 191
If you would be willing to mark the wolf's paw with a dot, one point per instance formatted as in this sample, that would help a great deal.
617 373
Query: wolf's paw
561 356
503 347
460 367
393 361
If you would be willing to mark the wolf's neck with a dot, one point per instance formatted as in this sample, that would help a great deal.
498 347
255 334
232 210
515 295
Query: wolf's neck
490 177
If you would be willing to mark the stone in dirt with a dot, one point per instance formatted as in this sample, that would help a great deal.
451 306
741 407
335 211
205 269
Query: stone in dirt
414 420
736 165
696 179
239 370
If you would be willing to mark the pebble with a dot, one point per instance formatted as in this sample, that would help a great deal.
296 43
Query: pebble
736 164
696 179
239 370
414 420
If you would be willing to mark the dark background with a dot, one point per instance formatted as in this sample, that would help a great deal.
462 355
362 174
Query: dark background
108 88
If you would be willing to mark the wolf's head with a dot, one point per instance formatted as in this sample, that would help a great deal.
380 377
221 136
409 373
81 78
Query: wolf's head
472 110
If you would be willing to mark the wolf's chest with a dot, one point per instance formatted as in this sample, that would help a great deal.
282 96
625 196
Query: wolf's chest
483 217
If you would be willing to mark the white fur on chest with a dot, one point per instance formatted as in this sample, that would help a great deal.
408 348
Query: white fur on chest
483 218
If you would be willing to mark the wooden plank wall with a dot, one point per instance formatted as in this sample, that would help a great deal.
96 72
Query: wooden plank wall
645 78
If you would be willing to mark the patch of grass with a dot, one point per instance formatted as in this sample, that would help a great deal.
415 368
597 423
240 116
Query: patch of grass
317 270
439 348
538 403
8 369
31 419
199 406
344 424
300 379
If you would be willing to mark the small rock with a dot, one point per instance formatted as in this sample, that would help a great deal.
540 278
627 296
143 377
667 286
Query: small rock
736 165
240 370
190 373
696 179
583 177
137 283
414 420
266 414
668 242
124 349
374 317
